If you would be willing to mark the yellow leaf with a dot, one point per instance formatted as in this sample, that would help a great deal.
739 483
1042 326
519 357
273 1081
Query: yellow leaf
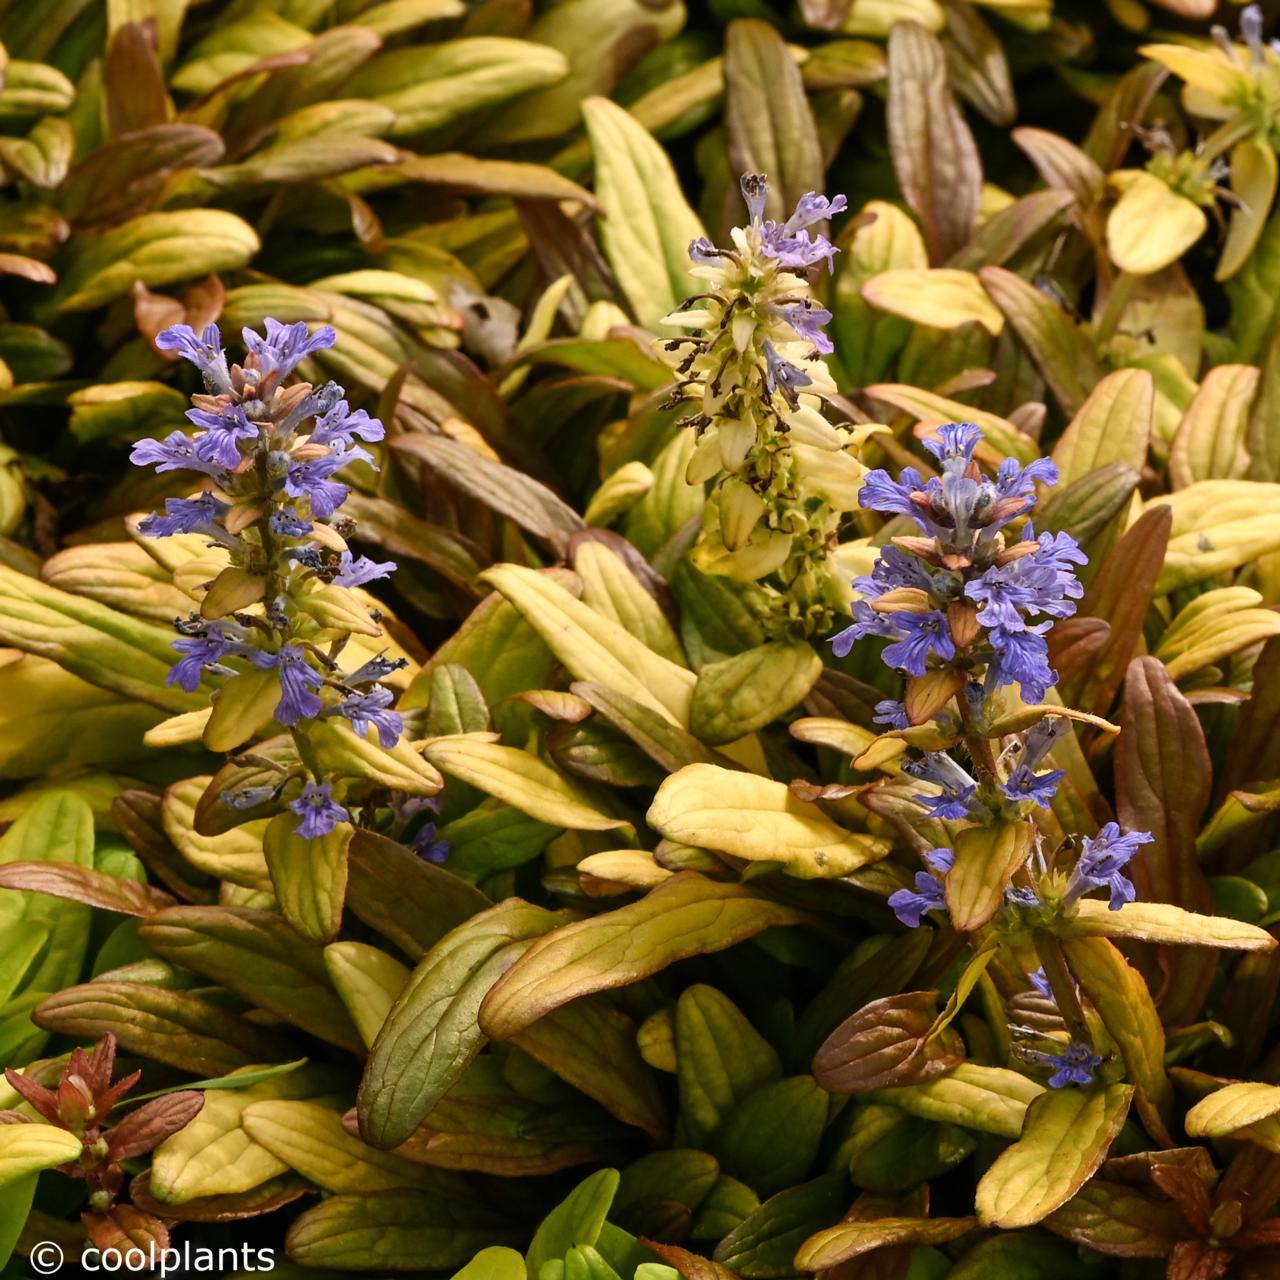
986 860
1160 922
1151 225
233 589
631 867
1204 69
244 704
340 750
1231 1108
178 731
1253 183
28 1148
235 856
368 981
988 1099
758 819
940 297
309 876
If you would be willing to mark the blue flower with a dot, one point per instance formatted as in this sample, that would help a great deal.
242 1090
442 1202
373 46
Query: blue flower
922 634
954 440
342 426
929 895
286 344
1022 658
310 479
427 844
319 811
205 352
223 432
703 252
354 573
866 622
755 191
780 374
186 515
378 668
1040 981
176 452
216 642
287 523
298 678
372 708
893 568
1025 784
957 786
249 797
1074 1065
789 242
891 713
881 492
1102 861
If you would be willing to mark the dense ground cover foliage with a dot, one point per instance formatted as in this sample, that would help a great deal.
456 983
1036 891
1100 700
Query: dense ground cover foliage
641 643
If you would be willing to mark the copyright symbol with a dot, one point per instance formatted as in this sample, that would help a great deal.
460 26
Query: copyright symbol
46 1257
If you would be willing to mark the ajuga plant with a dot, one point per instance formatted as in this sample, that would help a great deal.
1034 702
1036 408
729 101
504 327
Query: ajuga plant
762 826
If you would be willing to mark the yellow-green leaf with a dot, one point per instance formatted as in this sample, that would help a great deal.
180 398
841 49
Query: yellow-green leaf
520 780
1163 923
744 693
28 1148
1211 441
838 1244
759 819
986 860
1151 225
941 298
1064 1139
1232 1107
309 876
368 980
989 1099
1113 425
686 916
244 704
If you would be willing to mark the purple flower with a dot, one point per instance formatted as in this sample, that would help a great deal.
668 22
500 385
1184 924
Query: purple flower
881 492
310 479
807 320
427 844
354 573
287 523
286 344
298 679
205 352
215 642
703 252
1039 583
1074 1065
319 811
342 426
1024 784
176 452
789 242
1102 861
929 895
922 634
866 622
223 432
1040 981
186 515
372 708
893 568
780 374
891 713
755 191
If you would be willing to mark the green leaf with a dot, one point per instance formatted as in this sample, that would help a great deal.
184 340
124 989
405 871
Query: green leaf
647 224
1087 506
14 1209
1065 1138
431 1035
764 1246
685 916
258 956
393 1230
767 116
750 690
56 829
771 1139
368 981
721 1059
309 876
759 819
986 860
576 1220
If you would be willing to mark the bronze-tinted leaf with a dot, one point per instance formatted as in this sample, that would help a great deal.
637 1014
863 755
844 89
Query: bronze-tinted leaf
887 1043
